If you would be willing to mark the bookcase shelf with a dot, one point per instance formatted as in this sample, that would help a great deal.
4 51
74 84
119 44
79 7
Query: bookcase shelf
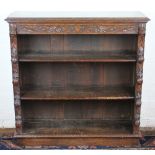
77 127
79 93
78 56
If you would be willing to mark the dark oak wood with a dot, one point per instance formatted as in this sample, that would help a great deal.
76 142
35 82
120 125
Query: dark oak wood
34 141
77 127
78 56
78 93
77 79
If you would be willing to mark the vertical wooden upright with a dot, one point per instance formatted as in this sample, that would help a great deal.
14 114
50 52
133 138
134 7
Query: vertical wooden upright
15 78
139 76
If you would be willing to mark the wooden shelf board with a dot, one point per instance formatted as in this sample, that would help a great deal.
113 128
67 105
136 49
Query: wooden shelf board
81 127
92 93
78 56
27 135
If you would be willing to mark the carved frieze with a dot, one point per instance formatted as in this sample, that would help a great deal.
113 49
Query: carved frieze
76 28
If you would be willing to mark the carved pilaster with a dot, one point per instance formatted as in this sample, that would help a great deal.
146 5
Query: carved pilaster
15 78
139 76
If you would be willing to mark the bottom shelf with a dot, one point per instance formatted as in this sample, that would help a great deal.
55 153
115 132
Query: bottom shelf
90 128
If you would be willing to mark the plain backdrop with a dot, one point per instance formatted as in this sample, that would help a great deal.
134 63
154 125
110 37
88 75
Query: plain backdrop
7 6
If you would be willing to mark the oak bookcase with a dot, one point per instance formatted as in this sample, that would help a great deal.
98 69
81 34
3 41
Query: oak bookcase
77 77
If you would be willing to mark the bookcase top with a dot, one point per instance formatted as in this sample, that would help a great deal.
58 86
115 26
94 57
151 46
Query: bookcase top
77 16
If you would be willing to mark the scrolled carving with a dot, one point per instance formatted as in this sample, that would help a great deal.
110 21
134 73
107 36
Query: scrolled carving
15 77
18 123
139 77
17 100
138 101
106 28
140 54
137 116
18 110
138 109
76 28
138 94
18 117
139 72
137 122
15 73
14 56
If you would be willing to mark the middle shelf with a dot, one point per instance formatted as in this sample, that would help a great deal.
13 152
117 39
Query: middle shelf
77 56
78 93
76 81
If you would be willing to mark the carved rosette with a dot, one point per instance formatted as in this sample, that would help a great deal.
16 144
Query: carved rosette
76 29
139 76
15 78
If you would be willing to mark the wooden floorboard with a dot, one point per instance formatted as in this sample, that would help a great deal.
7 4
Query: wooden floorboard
9 132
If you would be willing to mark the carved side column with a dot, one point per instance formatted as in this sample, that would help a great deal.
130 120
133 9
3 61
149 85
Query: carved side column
139 77
15 76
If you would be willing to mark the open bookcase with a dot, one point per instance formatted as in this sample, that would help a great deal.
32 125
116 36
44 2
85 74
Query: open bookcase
77 80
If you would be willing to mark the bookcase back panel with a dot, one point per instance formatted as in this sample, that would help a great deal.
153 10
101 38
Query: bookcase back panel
105 110
34 43
76 43
77 117
76 75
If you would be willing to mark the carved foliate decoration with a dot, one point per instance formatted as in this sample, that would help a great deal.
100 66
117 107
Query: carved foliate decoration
139 76
137 116
139 72
17 99
18 123
13 40
140 50
138 91
18 117
15 73
137 122
76 28
15 77
138 101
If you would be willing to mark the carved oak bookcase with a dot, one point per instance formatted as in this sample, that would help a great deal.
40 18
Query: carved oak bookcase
77 78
